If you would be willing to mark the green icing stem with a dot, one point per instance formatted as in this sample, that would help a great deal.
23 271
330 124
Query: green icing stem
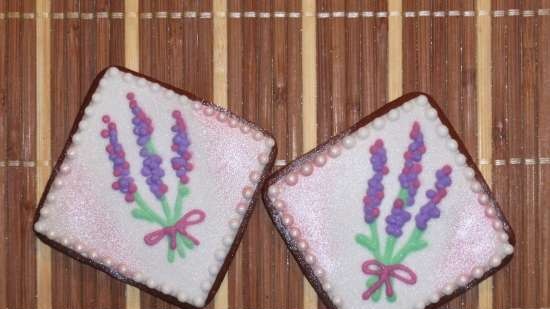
166 210
151 213
183 191
180 247
415 243
171 255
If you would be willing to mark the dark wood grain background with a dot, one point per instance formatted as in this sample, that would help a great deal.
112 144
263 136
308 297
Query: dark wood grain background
304 70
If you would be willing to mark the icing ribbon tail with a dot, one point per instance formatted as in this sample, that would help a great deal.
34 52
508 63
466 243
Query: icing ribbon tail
192 217
385 273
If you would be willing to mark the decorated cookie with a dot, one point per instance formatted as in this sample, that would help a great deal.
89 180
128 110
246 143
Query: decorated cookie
155 187
390 214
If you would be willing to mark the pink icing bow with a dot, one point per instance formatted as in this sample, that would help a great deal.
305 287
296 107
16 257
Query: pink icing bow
153 238
385 273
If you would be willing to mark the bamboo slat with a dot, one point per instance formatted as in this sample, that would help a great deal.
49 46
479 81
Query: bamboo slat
303 69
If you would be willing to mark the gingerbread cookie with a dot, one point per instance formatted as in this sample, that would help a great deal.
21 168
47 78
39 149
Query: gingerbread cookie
391 213
155 187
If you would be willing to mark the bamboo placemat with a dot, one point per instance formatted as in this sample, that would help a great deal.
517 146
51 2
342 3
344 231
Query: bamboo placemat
304 70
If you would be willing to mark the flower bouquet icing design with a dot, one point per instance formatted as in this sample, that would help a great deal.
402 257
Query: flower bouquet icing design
391 213
173 222
155 187
387 262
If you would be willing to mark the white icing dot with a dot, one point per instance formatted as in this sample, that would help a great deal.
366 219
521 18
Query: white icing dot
419 305
460 159
294 232
508 249
258 135
227 240
448 289
76 138
334 151
320 160
205 286
475 186
279 205
442 130
503 237
89 110
241 208
393 114
263 158
422 101
127 77
198 301
310 259
495 261
462 280
222 117
287 220
39 227
66 242
150 283
469 173
407 106
112 71
273 191
327 286
50 198
483 199
248 192
108 262
490 212
79 247
58 183
102 84
213 270
255 176
337 301
71 153
181 297
363 133
348 142
378 123
302 245
269 142
431 113
169 94
45 211
477 272
166 289
233 123
155 87
65 168
82 125
123 269
141 81
219 254
291 179
197 106
234 224
434 298
318 272
209 111
306 169
138 277
244 128
452 145
497 224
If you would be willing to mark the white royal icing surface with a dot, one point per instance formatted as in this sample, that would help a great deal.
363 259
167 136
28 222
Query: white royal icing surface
323 210
83 212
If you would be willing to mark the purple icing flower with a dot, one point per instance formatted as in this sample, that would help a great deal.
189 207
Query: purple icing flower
375 190
121 168
409 183
430 210
180 145
151 168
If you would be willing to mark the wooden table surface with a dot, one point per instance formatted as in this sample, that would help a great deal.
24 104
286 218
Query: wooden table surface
303 69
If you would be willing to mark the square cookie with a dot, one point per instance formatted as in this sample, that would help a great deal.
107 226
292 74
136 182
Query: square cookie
155 187
390 214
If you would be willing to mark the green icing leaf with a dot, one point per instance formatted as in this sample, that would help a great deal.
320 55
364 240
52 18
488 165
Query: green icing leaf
139 213
171 255
365 241
187 242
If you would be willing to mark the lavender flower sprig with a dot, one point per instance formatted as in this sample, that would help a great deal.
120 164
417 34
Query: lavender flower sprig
375 190
181 162
430 210
409 183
